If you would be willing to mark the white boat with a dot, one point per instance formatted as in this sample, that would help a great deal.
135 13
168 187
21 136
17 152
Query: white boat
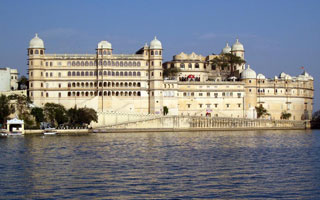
50 131
3 133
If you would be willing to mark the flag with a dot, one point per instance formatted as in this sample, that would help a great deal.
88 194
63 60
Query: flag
301 67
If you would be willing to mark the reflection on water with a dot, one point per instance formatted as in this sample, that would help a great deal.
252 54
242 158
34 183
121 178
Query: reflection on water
223 165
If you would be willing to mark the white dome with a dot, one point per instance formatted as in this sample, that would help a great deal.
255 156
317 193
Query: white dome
282 75
261 76
226 49
237 46
155 44
248 74
36 42
104 45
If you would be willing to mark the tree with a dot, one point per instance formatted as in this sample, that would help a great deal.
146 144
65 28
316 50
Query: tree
261 111
23 82
285 115
38 115
315 122
82 115
5 109
55 113
165 110
171 72
228 60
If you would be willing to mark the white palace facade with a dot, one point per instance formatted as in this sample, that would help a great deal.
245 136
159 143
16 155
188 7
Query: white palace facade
134 83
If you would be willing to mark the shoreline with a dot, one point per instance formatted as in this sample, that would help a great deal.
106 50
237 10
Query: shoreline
143 130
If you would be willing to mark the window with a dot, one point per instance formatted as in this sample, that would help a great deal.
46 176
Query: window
200 94
59 74
182 65
36 52
216 105
31 74
59 94
59 85
239 105
228 105
189 105
197 65
200 105
208 94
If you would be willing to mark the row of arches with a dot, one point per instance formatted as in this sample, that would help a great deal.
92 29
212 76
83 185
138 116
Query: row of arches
31 52
104 93
104 84
105 73
105 63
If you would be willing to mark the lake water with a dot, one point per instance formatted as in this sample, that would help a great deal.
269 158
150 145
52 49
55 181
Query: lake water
192 165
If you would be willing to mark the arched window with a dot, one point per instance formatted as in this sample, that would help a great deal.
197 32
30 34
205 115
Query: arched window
87 73
134 64
126 84
91 63
134 84
139 94
37 52
78 84
156 53
130 64
86 63
109 93
100 84
113 74
190 65
73 73
197 65
121 84
104 52
91 85
91 73
117 73
109 73
134 73
138 64
130 73
125 63
109 63
69 73
121 73
117 63
82 73
78 63
138 74
105 63
121 64
87 93
125 73
69 84
105 84
73 84
91 93
113 63
152 53
41 52
82 84
105 93
31 52
138 84
100 73
82 63
130 84
87 84
105 73
117 84
100 62
160 53
78 73
69 94
182 65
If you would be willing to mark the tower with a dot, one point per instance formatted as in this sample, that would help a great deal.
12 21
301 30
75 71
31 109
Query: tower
36 53
238 50
155 77
249 77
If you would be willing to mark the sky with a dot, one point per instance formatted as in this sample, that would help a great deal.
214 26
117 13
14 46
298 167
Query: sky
278 35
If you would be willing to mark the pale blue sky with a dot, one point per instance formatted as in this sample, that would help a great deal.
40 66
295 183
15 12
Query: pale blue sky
278 35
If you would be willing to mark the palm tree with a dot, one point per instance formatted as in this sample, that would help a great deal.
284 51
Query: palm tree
228 60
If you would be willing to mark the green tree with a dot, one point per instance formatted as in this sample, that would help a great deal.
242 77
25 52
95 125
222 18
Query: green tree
38 114
165 110
55 113
5 109
82 115
261 111
285 115
23 82
228 60
171 72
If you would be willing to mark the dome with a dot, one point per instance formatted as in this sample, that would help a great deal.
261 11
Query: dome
248 73
104 45
155 44
261 76
226 49
237 46
36 42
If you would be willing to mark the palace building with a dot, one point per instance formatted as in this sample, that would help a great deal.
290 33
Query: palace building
135 83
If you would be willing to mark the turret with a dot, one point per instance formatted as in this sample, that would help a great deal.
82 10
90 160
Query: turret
249 77
155 77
